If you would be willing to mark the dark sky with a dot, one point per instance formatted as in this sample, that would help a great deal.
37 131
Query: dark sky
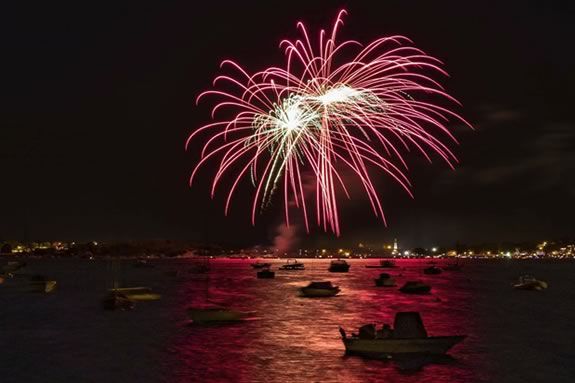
99 100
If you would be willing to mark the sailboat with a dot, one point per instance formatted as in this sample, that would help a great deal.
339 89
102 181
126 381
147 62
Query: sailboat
210 313
124 297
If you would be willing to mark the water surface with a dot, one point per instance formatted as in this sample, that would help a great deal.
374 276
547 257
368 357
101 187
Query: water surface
513 336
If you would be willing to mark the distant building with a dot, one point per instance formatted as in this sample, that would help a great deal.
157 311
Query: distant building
395 250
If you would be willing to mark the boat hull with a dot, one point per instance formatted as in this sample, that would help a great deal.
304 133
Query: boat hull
137 293
319 293
214 315
390 347
535 285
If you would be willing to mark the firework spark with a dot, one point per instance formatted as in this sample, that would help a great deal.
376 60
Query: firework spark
322 113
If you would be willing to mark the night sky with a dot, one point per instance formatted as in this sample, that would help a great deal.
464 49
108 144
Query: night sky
100 99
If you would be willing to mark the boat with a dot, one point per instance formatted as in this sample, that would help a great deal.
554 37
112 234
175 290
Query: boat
385 280
339 266
415 287
292 264
453 267
320 289
214 314
432 270
40 284
261 265
408 337
117 300
265 274
137 293
529 282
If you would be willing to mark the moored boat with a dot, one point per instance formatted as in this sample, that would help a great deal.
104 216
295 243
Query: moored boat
137 293
408 337
214 314
292 264
415 287
529 282
320 289
261 265
339 266
385 280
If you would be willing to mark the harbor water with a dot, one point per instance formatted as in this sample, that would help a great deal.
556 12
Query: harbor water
66 336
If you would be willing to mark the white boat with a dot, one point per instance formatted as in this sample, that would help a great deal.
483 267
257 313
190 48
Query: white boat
292 264
320 289
408 337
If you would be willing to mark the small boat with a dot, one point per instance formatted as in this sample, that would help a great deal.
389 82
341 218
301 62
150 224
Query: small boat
292 264
408 337
137 293
385 280
214 314
415 287
432 270
265 274
261 265
529 282
320 289
453 267
339 266
117 300
40 284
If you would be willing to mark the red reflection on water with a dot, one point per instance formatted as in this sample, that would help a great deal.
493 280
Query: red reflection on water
297 339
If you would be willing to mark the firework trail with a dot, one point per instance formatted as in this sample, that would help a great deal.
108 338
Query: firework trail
322 113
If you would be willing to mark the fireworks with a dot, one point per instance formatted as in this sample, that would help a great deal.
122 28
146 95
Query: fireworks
322 114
